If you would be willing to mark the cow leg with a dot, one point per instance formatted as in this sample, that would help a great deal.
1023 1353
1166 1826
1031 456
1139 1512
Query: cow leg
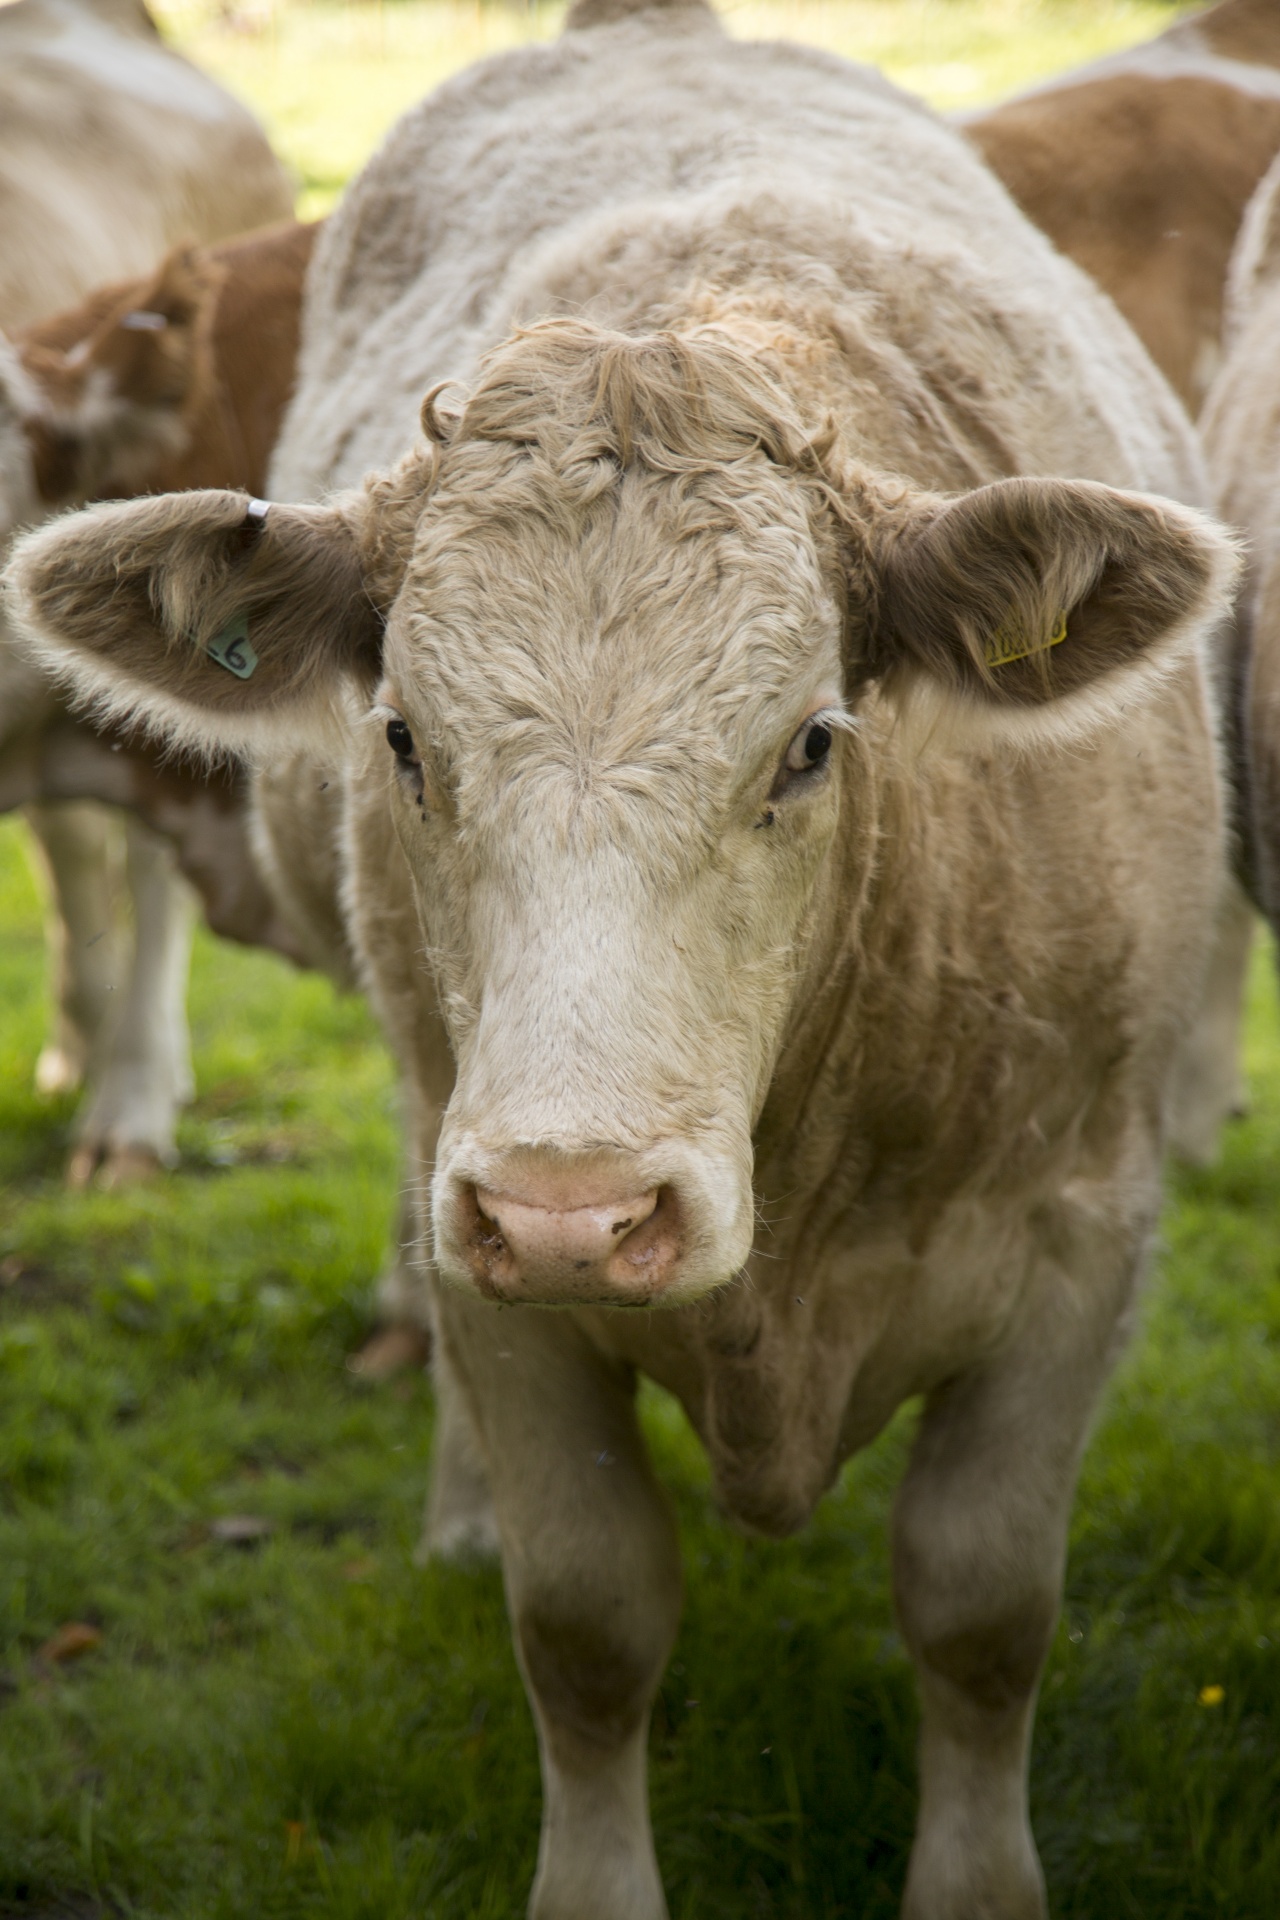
74 839
592 1570
1208 1088
460 1522
129 1119
980 1532
401 1300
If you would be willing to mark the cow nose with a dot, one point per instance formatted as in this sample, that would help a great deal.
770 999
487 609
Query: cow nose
564 1238
540 1238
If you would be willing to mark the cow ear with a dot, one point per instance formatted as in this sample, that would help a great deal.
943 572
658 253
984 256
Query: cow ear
1035 608
216 620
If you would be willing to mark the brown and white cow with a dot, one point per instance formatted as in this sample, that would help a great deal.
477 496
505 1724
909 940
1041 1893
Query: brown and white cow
112 150
193 398
1140 168
781 831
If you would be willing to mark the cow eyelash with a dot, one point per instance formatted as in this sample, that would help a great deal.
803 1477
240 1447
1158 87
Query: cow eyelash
810 747
396 729
399 738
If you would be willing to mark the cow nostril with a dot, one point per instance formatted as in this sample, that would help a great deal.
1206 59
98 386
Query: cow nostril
488 1232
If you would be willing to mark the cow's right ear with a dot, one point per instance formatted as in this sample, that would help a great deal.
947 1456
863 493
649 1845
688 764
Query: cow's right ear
216 620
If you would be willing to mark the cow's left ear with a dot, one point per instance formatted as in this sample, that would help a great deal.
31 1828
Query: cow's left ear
1038 606
218 621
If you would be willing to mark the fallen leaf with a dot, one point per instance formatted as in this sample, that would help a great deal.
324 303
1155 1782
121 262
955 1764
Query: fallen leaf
361 1569
294 1833
241 1529
69 1642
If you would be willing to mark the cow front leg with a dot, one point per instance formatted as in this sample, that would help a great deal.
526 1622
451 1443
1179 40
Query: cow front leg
459 1524
1208 1087
980 1533
144 1076
592 1572
76 844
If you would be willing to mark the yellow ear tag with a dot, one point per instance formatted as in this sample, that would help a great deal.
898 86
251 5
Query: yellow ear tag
1010 642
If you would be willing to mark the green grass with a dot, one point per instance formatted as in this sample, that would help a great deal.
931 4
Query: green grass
328 77
315 1727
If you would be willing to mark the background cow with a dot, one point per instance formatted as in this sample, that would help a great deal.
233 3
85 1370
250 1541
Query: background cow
1242 439
113 409
792 809
112 149
1140 168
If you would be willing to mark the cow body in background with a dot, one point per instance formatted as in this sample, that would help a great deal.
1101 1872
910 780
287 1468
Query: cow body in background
113 149
1140 168
111 409
1242 440
781 831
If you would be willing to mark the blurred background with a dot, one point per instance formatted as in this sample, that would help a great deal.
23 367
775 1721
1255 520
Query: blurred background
328 79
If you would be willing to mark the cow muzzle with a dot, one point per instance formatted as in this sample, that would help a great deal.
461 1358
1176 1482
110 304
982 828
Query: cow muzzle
597 1233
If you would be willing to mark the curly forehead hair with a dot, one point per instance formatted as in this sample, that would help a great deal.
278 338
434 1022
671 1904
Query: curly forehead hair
564 410
673 402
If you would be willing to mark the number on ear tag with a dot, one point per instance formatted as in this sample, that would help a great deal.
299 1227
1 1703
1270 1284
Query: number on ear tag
231 648
1010 642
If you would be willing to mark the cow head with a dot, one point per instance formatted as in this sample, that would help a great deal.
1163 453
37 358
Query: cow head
632 649
117 381
93 399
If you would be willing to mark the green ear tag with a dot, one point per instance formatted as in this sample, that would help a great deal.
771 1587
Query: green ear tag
231 648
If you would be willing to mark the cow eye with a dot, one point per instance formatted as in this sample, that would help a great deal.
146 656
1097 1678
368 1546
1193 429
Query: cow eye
400 740
809 748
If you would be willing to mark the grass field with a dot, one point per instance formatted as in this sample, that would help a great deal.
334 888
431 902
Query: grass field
313 1726
308 1724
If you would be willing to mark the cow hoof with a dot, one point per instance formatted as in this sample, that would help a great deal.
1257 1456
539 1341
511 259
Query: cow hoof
82 1166
391 1351
57 1072
110 1167
465 1540
129 1166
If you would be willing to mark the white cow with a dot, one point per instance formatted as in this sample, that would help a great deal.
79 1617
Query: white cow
1242 439
795 807
1139 167
112 149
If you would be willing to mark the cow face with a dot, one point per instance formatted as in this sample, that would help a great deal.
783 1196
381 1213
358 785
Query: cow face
631 614
612 706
